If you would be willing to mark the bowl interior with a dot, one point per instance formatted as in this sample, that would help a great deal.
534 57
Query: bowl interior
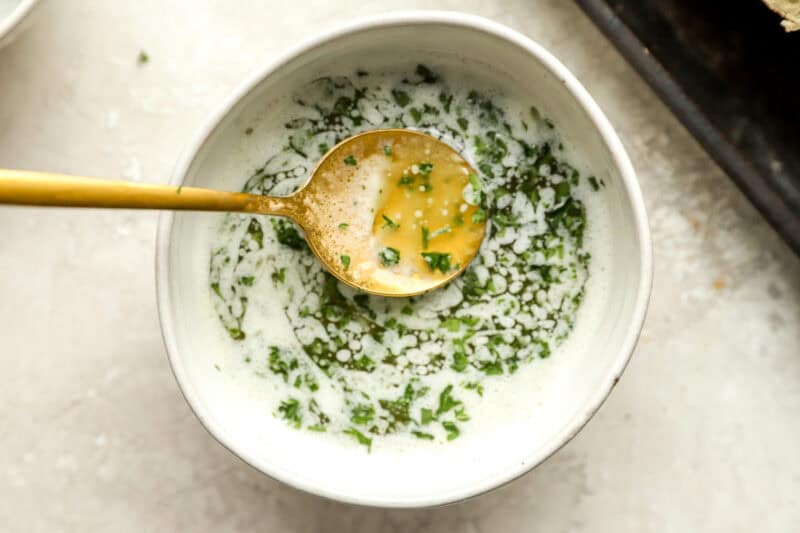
559 394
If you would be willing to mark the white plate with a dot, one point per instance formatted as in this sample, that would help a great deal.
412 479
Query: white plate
14 21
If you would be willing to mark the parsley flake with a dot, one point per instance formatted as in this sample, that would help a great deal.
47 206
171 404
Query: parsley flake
389 256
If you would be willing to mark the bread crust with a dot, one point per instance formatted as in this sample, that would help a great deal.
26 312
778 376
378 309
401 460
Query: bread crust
789 10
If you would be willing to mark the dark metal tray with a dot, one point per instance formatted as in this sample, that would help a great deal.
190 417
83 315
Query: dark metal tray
732 76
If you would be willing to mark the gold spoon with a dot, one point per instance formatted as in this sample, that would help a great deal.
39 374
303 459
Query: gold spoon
384 211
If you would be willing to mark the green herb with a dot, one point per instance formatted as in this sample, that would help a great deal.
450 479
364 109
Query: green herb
387 150
247 281
344 225
492 368
389 223
593 182
236 334
416 114
460 361
278 275
406 181
389 256
475 182
437 261
291 411
280 366
421 435
426 74
142 58
401 98
362 414
452 324
256 232
248 131
478 216
316 412
474 385
463 123
425 237
287 234
446 401
452 430
360 437
425 169
426 416
345 259
311 382
350 160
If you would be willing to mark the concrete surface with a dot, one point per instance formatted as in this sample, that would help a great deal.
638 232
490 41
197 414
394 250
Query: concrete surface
701 434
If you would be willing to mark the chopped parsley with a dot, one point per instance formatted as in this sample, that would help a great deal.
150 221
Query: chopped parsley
387 150
389 223
451 429
389 256
361 438
362 414
401 98
286 234
437 261
345 259
350 160
290 411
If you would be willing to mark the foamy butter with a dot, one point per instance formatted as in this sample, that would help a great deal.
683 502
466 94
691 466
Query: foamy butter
451 363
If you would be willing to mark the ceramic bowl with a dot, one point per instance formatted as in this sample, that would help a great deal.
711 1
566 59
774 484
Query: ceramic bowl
12 22
566 389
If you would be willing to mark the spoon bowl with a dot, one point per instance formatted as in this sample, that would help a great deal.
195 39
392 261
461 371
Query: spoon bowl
392 212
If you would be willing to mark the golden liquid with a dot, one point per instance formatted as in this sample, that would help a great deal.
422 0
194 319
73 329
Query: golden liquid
416 200
382 191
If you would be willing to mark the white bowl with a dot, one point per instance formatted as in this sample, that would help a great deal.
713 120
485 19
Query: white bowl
13 22
568 388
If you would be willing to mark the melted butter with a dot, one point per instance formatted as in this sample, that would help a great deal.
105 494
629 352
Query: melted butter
395 218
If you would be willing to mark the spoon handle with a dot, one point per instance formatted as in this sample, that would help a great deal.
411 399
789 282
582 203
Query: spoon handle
22 187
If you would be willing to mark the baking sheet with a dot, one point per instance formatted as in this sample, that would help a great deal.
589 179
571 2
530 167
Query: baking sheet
731 74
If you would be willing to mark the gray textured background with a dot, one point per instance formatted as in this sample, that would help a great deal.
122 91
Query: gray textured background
700 434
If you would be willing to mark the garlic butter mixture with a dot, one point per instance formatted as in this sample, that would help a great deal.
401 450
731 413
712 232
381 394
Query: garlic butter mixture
396 208
365 366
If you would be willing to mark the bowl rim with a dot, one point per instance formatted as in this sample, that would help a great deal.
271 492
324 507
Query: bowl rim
630 186
17 15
